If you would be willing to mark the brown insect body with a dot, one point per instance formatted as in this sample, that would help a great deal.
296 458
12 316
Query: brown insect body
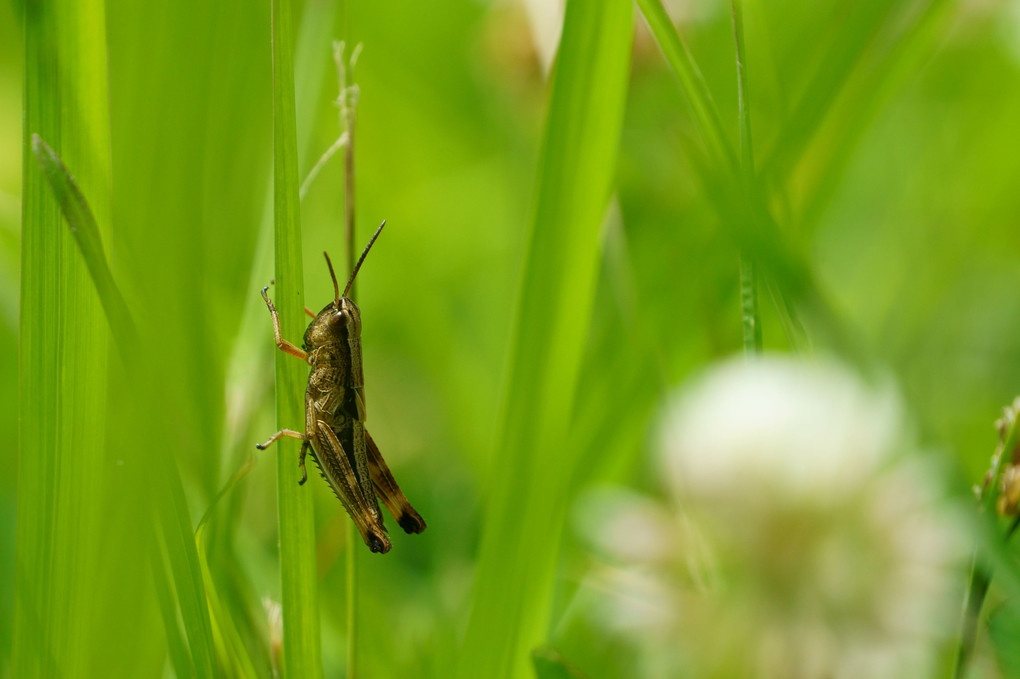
335 430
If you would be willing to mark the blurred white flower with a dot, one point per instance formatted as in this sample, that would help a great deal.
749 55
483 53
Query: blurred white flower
789 427
805 537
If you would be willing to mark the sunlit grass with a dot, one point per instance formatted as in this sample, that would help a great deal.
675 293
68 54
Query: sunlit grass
525 507
299 593
559 254
63 354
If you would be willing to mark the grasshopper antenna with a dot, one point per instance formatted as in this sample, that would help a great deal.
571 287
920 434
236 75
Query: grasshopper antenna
361 259
336 286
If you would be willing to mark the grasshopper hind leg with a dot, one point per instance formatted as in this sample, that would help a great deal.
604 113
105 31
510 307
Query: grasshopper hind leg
389 492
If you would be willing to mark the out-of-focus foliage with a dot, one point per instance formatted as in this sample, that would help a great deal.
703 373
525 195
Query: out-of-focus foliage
888 158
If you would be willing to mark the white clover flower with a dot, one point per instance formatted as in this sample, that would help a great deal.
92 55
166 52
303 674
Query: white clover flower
811 539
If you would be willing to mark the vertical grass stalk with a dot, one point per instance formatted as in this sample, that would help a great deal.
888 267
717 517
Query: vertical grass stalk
299 581
748 269
348 101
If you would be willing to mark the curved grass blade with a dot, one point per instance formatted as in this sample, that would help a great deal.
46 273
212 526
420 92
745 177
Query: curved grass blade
178 542
86 234
180 656
230 646
171 506
691 82
534 459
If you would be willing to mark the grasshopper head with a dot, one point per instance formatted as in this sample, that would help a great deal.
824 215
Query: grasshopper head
334 324
342 319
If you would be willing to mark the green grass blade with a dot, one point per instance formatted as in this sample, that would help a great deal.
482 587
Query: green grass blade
230 646
853 30
748 275
250 346
180 656
691 81
173 510
750 318
868 93
179 543
86 234
63 352
744 213
299 582
721 158
533 459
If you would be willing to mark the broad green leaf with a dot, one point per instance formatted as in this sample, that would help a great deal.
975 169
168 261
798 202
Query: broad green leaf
63 353
527 496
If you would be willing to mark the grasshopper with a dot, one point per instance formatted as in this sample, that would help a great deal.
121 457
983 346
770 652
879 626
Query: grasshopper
345 453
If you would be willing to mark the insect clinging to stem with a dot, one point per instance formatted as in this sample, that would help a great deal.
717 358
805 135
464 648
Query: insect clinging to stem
348 458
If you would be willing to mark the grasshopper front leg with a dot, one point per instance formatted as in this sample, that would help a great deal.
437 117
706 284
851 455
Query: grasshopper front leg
291 434
282 344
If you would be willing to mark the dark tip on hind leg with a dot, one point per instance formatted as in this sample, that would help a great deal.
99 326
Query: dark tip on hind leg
301 463
411 522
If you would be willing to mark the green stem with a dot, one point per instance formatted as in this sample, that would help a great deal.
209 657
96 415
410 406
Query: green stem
302 655
348 104
748 275
977 589
352 600
749 306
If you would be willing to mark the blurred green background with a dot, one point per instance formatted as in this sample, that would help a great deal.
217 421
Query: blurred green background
886 138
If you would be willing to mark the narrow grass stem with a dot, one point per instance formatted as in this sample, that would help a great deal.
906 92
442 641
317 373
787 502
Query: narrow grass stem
692 82
340 143
748 275
348 102
749 306
352 600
